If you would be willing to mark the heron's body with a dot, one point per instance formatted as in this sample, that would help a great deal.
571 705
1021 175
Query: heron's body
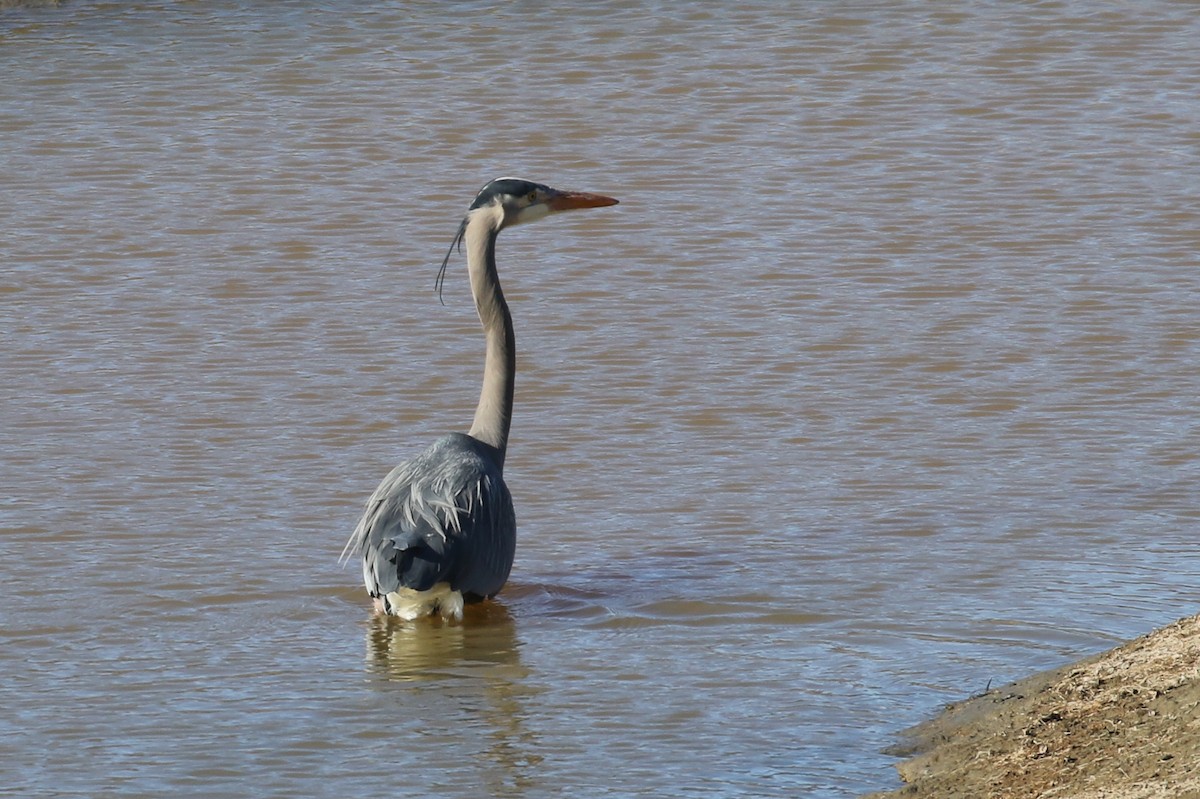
440 529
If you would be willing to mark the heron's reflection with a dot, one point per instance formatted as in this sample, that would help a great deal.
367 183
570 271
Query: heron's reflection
432 648
474 666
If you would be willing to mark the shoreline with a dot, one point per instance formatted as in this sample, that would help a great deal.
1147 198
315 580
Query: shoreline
1123 724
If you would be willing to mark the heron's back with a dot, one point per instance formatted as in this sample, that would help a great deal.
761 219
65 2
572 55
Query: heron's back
444 516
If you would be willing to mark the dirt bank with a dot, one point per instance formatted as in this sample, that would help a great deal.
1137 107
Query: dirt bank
1121 725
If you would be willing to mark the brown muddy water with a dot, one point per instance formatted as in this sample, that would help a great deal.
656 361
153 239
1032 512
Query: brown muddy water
880 383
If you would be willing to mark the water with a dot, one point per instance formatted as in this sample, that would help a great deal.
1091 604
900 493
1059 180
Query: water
879 384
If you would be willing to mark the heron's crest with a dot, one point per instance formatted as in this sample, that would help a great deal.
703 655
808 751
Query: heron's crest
440 280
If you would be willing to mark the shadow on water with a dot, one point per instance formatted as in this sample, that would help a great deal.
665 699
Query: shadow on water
485 640
432 648
459 678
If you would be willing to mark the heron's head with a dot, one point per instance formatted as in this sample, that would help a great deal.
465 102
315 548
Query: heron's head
526 201
511 201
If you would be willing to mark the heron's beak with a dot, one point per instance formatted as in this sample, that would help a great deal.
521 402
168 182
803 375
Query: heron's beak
570 200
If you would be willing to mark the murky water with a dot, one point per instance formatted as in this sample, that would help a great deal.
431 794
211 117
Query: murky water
879 384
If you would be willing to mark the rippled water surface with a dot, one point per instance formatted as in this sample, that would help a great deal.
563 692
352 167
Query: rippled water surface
880 383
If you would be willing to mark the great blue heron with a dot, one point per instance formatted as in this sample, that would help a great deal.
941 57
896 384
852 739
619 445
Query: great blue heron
440 527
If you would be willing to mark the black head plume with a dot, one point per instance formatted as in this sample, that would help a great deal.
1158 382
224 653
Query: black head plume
441 275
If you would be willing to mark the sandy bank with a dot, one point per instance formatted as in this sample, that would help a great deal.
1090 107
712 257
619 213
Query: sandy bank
1124 724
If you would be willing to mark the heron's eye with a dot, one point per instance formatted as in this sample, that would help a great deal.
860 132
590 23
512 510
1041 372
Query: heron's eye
534 196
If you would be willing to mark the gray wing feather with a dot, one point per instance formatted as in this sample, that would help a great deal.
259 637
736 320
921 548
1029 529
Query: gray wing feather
444 516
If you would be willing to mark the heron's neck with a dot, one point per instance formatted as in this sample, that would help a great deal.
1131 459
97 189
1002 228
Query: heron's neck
493 415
